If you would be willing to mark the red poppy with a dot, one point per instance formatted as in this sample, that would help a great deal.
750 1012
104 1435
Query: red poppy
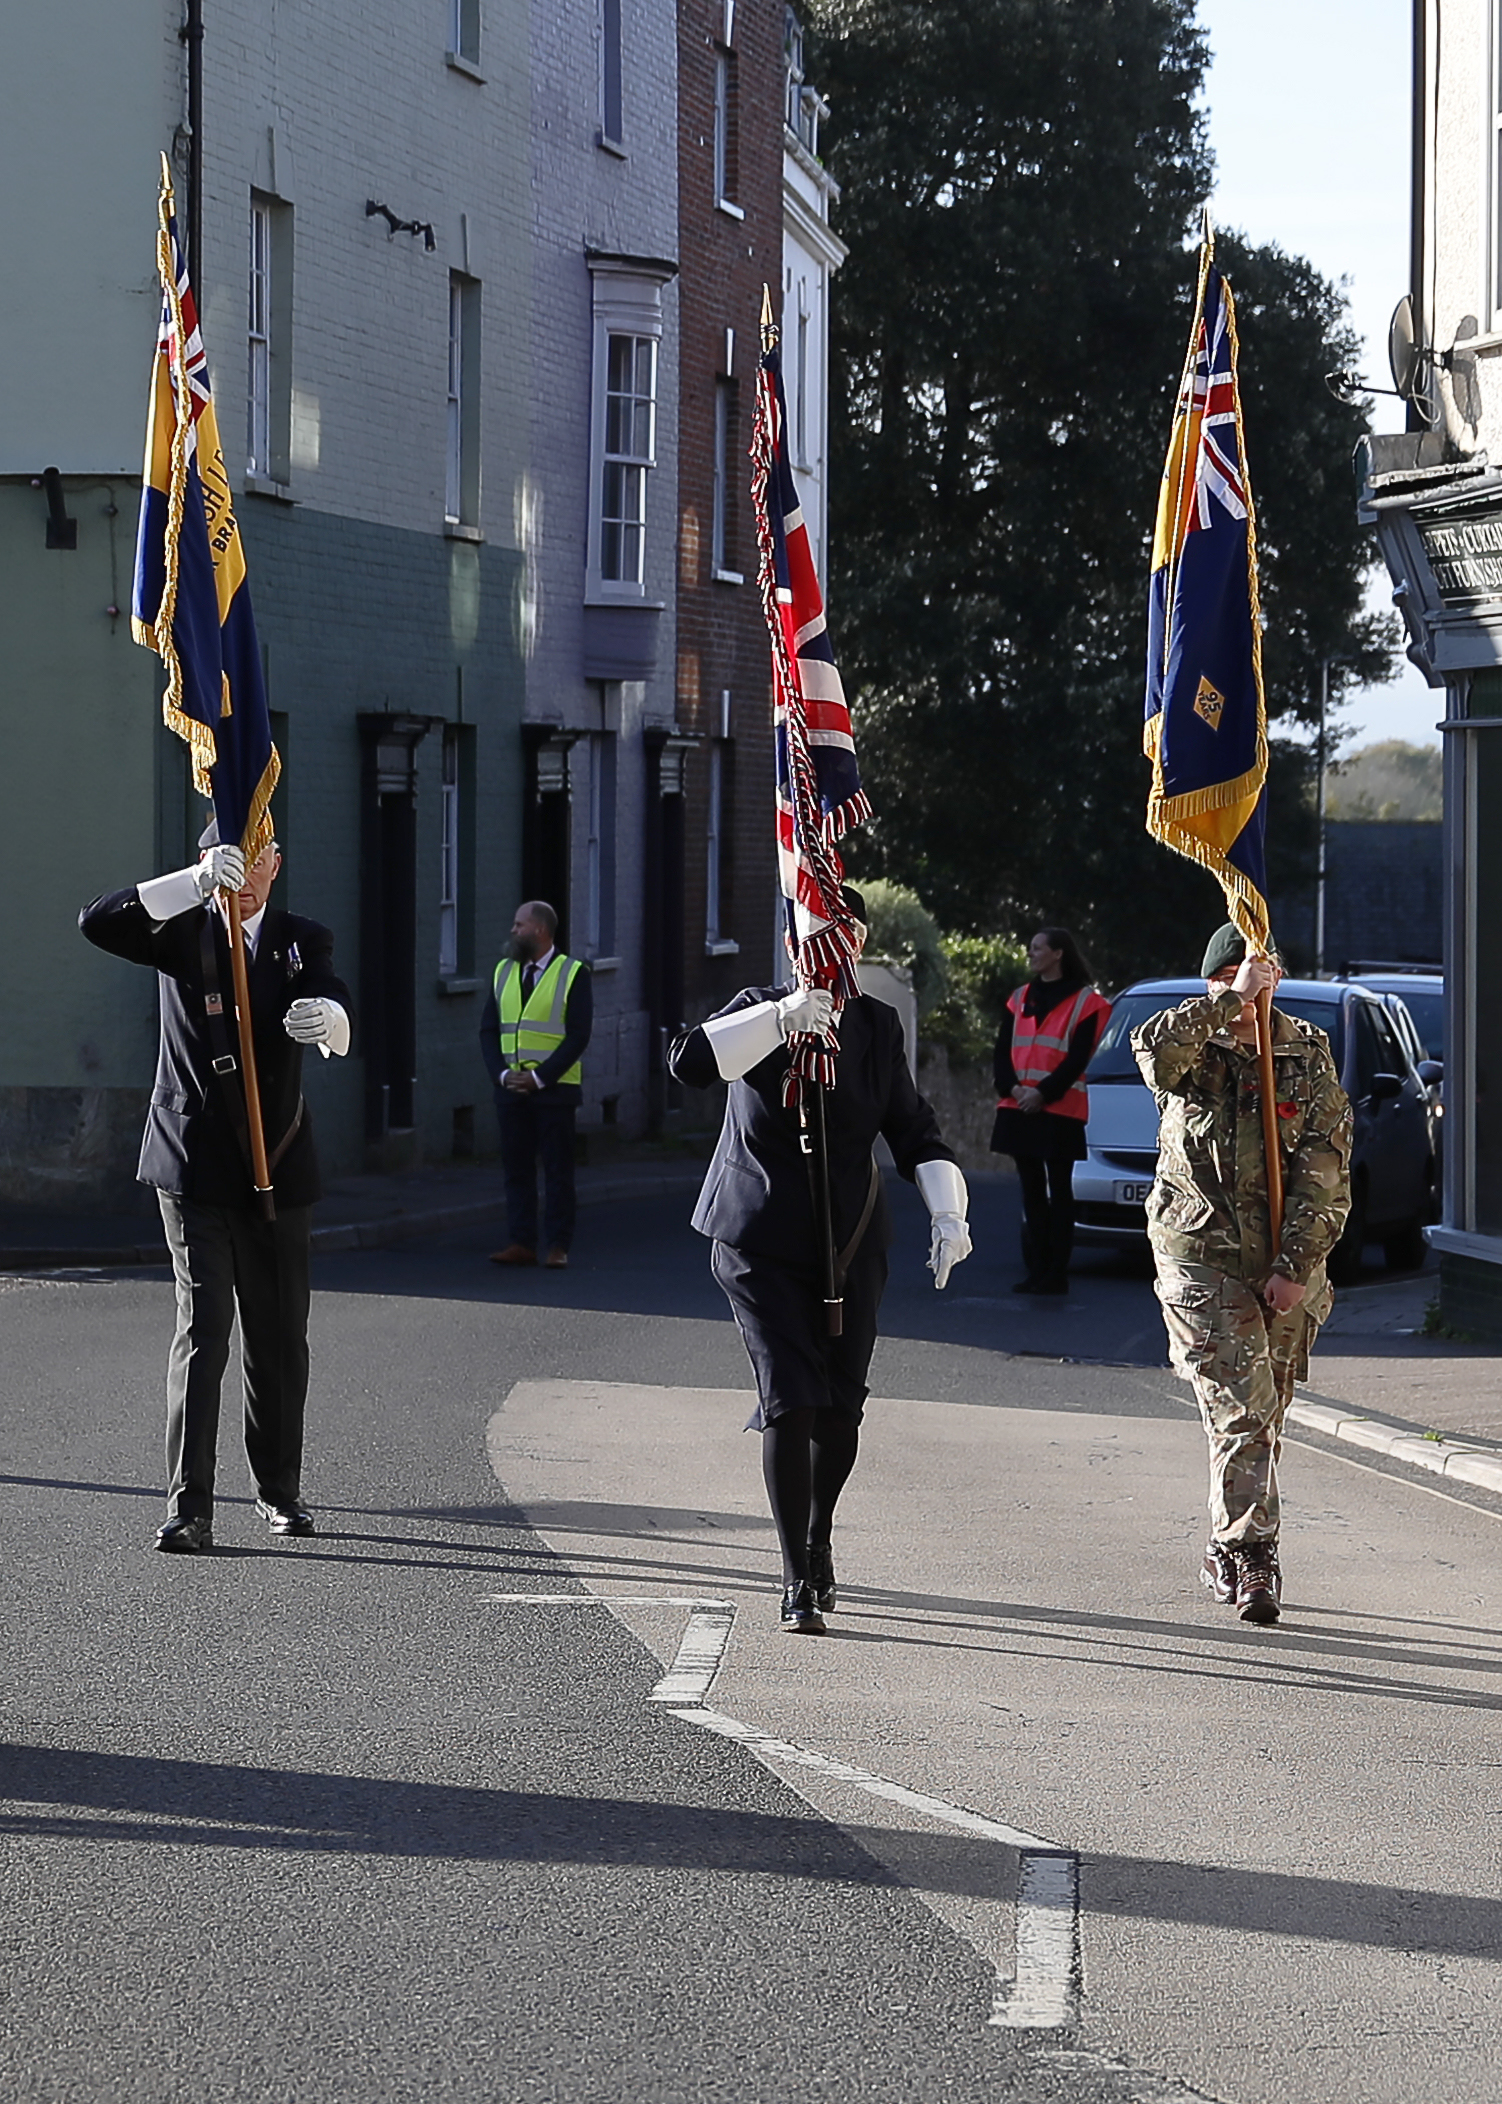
1288 1110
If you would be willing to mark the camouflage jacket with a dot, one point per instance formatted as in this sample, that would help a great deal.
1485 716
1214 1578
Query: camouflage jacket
1209 1204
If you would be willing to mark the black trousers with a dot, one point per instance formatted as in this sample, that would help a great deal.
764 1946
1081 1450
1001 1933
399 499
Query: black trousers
779 1311
1047 1216
226 1261
533 1133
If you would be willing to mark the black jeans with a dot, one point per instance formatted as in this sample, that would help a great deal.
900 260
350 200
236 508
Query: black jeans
226 1260
535 1131
1047 1217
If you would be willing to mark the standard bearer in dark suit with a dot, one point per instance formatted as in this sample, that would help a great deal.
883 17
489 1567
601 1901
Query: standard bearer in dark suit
757 1207
226 1258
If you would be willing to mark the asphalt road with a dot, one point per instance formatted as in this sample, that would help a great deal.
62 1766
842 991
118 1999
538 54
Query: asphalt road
335 1820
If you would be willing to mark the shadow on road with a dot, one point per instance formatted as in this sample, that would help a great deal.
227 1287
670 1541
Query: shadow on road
112 1797
643 1258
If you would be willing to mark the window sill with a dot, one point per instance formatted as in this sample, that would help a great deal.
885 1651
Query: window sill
264 486
723 204
458 986
722 949
598 593
458 63
456 530
611 146
1455 1241
604 964
727 577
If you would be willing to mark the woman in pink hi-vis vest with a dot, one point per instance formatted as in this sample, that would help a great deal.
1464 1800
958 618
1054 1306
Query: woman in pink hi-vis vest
1050 1028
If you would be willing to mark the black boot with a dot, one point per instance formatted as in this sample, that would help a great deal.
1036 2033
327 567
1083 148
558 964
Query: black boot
821 1575
800 1610
1259 1582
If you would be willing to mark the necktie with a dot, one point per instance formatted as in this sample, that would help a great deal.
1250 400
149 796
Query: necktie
529 982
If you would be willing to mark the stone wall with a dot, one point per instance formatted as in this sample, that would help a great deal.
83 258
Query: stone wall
72 1149
964 1100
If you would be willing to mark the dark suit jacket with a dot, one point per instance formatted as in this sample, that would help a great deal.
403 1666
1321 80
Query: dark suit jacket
190 1144
756 1195
578 1024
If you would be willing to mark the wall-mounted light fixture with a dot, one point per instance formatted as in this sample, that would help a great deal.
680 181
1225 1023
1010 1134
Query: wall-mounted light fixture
62 532
400 226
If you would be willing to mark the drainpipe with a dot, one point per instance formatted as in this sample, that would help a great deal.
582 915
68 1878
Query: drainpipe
1418 185
192 34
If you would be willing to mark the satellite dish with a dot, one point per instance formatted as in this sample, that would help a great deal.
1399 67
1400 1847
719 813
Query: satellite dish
1412 361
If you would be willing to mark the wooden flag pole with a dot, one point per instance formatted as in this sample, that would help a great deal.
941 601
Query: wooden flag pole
1272 1146
259 1168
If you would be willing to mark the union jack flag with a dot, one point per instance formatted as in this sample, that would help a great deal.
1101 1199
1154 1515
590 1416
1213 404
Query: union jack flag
819 794
1206 718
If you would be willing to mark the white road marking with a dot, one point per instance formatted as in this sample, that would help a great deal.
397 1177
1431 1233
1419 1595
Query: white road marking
600 1600
700 1656
785 1753
1043 1992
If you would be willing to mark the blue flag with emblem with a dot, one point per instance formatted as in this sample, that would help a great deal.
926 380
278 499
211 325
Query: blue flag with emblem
1206 717
191 603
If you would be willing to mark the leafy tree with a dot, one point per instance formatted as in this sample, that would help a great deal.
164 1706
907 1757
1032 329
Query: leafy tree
900 930
1391 780
1019 179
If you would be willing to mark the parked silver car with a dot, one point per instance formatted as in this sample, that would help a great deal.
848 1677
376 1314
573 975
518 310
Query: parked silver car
1394 1165
1415 996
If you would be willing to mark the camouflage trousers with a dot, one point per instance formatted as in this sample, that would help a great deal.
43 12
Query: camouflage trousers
1242 1361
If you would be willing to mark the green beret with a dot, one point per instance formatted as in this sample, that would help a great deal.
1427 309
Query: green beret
1227 946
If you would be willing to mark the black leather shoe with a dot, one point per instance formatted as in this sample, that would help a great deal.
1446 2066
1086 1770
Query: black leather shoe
800 1611
821 1576
286 1519
185 1536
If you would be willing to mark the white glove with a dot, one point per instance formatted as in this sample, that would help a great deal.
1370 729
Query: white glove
318 1022
809 1011
222 869
943 1191
743 1039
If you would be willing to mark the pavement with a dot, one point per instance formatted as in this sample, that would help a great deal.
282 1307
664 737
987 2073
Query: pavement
356 1212
1380 1381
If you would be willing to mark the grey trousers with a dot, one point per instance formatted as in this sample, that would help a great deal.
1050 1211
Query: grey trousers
227 1260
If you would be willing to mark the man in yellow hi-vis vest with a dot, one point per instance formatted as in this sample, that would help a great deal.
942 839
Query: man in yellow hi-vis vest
532 1036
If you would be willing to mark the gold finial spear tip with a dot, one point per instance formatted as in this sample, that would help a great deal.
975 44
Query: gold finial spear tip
768 320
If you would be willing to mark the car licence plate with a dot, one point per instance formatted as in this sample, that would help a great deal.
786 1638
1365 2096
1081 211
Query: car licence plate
1132 1193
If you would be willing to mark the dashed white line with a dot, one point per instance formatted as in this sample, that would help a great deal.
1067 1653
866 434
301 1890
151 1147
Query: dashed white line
1043 1992
700 1656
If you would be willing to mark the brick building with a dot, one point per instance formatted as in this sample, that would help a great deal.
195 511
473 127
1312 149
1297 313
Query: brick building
456 264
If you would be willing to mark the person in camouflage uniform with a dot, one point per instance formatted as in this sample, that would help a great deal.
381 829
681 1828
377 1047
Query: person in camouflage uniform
1240 1320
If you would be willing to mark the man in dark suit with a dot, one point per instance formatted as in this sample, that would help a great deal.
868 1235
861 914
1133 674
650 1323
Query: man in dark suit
533 1035
757 1206
225 1255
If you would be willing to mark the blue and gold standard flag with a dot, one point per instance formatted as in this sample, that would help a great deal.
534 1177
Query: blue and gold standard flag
1206 727
191 603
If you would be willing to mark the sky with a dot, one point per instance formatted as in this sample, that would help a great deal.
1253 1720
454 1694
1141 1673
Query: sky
1308 106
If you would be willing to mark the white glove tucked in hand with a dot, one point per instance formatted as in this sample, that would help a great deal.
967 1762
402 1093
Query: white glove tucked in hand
318 1022
808 1011
943 1191
222 869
